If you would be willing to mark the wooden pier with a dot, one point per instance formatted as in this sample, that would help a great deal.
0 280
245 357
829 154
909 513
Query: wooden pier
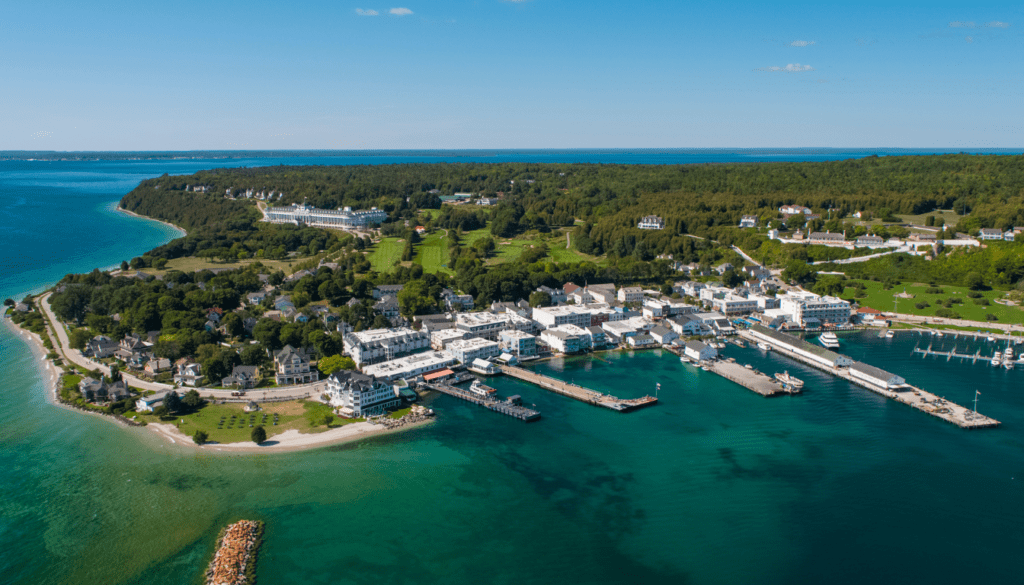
953 354
922 400
579 392
509 407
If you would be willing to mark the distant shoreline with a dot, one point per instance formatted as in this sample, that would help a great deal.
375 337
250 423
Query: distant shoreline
120 209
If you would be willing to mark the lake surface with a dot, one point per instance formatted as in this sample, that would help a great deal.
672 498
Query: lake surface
713 485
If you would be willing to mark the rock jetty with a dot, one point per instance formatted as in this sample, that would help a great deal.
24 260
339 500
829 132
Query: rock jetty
234 562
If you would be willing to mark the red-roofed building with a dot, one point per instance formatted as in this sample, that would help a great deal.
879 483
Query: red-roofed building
570 288
869 316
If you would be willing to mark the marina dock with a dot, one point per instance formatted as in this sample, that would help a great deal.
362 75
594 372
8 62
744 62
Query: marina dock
579 392
922 400
953 354
753 380
510 407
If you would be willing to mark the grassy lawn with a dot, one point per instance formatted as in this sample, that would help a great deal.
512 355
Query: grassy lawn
880 299
432 253
386 253
192 263
291 415
949 215
559 253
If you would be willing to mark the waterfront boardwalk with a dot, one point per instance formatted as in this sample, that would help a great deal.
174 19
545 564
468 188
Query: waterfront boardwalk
578 392
506 407
750 379
922 400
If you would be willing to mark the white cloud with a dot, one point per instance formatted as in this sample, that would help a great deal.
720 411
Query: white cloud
997 24
400 11
366 12
802 43
791 68
961 24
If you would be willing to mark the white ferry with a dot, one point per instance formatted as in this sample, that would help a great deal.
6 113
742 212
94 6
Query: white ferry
788 380
828 339
482 389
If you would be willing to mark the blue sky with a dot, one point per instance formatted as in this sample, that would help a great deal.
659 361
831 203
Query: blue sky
121 75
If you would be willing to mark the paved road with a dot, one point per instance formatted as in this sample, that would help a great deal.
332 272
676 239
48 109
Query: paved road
74 356
1008 328
861 258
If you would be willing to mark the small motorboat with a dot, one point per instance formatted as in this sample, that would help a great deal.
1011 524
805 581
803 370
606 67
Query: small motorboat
763 346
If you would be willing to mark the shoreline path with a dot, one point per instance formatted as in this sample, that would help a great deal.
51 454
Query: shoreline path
313 390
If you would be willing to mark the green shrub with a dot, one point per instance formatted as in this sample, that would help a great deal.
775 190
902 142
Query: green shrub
935 291
947 313
982 302
973 294
922 305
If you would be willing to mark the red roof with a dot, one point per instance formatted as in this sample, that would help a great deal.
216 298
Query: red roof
569 288
436 375
869 310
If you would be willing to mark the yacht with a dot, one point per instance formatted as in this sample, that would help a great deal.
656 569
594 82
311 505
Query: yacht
828 339
889 334
788 380
1008 364
1008 354
996 360
481 389
763 346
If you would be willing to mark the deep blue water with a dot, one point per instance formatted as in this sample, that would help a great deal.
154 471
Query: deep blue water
713 485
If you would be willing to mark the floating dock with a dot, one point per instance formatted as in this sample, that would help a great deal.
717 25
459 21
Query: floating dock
579 392
953 354
511 407
909 395
753 380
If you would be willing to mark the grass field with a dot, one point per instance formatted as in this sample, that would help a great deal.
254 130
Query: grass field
192 263
386 253
291 415
432 253
878 298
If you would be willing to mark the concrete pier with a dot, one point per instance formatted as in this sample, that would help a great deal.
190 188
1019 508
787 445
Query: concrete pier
909 395
761 383
578 392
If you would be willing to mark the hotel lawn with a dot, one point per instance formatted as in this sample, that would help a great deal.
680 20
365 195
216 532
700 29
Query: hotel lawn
881 299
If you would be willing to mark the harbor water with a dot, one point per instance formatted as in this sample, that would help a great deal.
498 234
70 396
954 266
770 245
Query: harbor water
715 484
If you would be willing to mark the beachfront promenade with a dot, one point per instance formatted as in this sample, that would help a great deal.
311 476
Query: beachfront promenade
59 334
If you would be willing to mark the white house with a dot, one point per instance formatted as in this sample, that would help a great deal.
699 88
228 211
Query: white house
651 222
292 366
697 350
748 221
148 403
990 234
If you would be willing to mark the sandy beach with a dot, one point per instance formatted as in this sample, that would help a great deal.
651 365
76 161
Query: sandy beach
49 371
288 441
133 214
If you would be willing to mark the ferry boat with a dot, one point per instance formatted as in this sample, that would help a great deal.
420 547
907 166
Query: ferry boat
482 389
763 346
828 339
788 380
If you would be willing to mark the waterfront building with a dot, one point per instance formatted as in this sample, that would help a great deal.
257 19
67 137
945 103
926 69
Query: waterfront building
358 395
374 345
411 366
582 333
518 343
688 324
651 222
561 341
699 351
292 366
467 350
876 376
597 336
810 351
307 215
148 403
619 331
641 340
663 335
803 307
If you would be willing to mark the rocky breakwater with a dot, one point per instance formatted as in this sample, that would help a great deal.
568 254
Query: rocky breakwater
415 415
235 560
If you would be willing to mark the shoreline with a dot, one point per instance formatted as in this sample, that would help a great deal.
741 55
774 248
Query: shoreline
119 209
287 442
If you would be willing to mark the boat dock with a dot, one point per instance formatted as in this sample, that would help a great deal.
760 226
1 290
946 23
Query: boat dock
753 380
511 407
922 400
578 392
953 354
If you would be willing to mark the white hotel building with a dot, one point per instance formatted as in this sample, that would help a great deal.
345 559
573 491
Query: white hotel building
330 218
549 317
804 306
376 345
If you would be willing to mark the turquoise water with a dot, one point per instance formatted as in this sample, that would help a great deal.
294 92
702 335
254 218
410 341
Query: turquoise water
713 485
